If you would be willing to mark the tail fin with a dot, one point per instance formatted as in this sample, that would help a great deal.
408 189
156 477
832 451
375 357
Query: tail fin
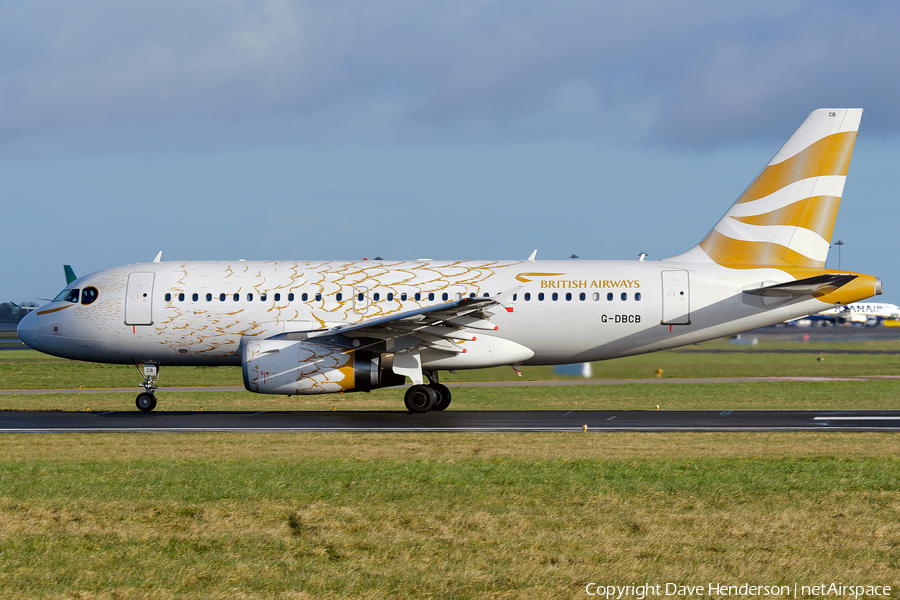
70 274
786 217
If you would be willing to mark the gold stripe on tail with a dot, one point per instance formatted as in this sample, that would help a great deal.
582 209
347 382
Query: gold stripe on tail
817 214
828 156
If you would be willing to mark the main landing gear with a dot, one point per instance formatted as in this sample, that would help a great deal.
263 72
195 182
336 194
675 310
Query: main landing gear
424 398
146 401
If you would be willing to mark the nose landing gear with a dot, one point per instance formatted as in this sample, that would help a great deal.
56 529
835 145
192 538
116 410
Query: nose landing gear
146 401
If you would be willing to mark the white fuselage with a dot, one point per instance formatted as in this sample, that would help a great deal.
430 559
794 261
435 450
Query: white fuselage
200 313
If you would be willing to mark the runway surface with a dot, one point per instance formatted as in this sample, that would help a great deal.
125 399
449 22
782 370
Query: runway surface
451 421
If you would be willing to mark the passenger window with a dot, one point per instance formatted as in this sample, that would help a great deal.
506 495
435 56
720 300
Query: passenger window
568 295
318 296
181 297
527 296
88 295
168 297
472 295
418 296
609 296
624 296
555 296
339 296
596 296
209 297
514 297
221 297
291 297
390 296
195 297
263 296
445 296
249 297
637 296
304 296
237 297
582 296
486 295
359 297
431 295
403 297
376 297
277 297
541 296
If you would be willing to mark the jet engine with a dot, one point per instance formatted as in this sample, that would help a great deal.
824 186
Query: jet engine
308 367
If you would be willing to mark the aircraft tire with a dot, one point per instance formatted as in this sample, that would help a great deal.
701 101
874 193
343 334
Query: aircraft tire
420 399
443 396
145 402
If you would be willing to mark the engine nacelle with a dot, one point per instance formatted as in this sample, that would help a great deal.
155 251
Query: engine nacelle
307 367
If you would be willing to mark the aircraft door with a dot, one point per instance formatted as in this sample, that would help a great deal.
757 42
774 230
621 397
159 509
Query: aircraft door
139 299
676 287
361 300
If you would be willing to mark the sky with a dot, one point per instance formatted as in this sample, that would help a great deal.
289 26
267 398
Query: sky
472 129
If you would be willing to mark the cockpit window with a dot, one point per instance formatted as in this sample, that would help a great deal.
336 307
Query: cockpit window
67 296
88 295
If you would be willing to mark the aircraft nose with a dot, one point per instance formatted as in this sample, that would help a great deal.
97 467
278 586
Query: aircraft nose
27 330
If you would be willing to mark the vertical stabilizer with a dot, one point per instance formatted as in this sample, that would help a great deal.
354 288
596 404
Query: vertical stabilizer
70 274
786 216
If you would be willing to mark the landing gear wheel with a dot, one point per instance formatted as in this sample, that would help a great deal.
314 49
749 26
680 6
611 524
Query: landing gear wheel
145 402
443 396
420 399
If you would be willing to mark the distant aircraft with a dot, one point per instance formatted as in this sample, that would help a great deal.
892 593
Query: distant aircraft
867 313
70 274
316 327
70 277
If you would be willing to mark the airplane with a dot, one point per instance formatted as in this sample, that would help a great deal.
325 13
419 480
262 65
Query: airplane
27 308
318 327
70 274
867 313
70 277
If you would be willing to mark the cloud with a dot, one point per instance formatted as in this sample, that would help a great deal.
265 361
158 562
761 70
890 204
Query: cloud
104 75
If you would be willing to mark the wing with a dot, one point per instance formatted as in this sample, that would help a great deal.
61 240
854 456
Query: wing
439 327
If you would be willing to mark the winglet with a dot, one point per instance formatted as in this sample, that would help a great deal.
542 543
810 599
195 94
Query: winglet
533 255
158 257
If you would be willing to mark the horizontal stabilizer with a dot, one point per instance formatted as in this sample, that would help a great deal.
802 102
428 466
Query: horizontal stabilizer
816 286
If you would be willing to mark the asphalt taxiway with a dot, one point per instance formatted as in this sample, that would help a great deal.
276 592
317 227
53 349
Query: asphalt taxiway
451 421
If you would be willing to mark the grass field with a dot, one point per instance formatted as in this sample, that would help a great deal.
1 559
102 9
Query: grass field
441 516
450 515
27 369
731 396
